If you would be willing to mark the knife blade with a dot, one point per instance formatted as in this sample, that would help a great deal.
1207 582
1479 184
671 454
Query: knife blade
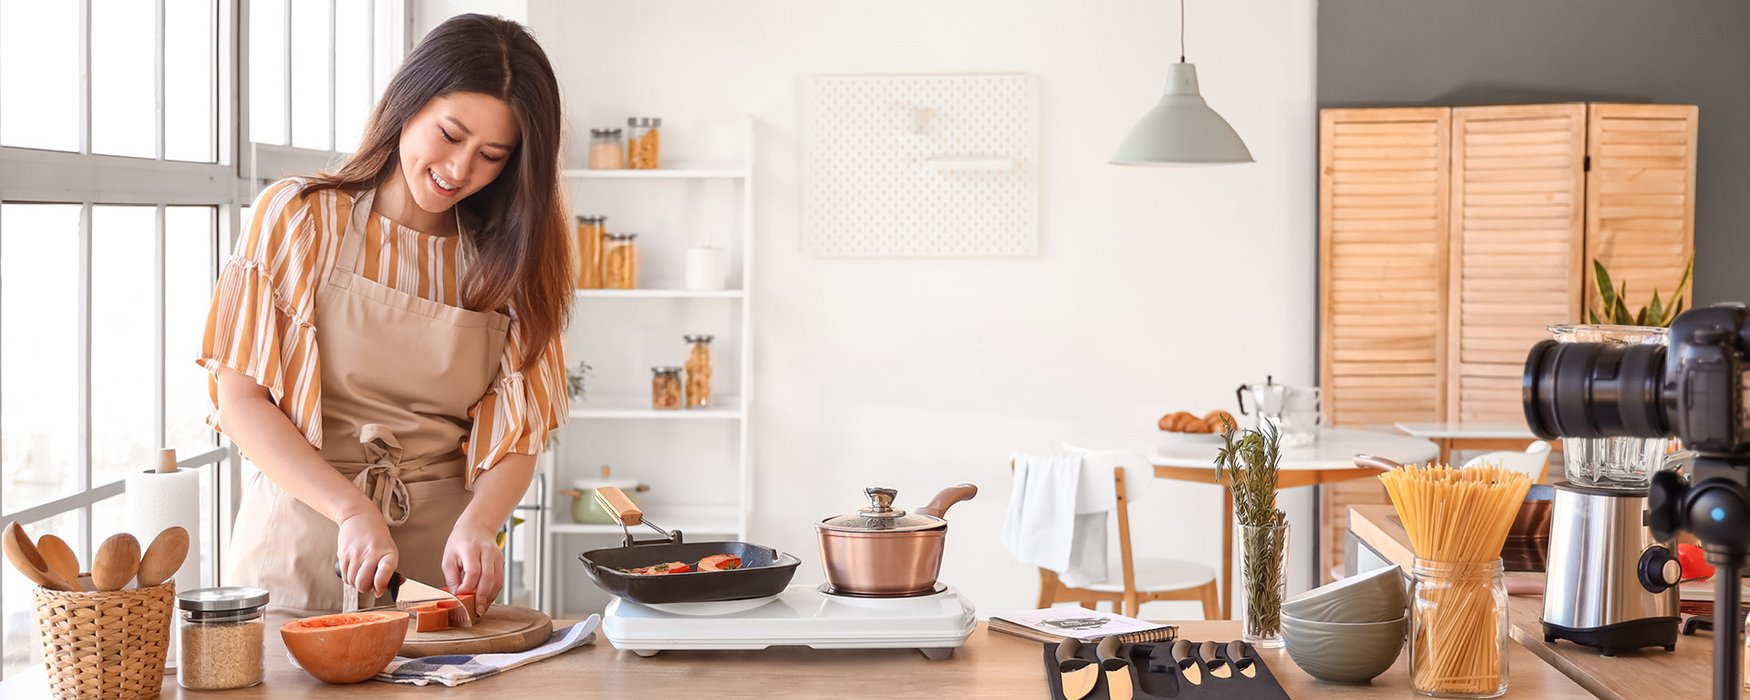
1187 663
1117 668
1077 676
404 594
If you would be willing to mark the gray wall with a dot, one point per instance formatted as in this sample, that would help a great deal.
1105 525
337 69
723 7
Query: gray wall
1473 52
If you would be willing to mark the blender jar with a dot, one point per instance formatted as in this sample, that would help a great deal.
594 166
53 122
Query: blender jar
1624 463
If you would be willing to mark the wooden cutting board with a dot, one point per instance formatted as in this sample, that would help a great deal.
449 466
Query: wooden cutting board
505 630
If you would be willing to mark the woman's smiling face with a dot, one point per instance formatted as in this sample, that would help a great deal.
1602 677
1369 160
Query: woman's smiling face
455 146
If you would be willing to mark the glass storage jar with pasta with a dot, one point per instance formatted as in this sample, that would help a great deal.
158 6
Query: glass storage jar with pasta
620 261
590 232
698 367
643 143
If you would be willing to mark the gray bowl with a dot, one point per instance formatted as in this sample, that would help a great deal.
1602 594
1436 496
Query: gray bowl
1344 652
1371 596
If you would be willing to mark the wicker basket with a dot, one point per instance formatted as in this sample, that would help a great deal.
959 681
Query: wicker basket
105 644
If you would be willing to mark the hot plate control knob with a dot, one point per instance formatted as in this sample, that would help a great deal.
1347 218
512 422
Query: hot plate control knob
1659 569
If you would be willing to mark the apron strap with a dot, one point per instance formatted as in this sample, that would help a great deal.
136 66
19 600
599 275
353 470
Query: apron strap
352 237
381 477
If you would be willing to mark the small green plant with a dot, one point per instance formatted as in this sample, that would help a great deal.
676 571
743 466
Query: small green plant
574 379
1250 460
1654 313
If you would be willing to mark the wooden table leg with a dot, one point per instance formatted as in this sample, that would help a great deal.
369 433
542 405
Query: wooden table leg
1227 553
1445 450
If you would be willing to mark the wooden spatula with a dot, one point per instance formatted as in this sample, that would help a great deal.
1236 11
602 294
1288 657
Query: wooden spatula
1076 675
116 563
164 556
60 558
23 555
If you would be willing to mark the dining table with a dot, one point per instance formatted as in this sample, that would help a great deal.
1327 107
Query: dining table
1328 459
1454 436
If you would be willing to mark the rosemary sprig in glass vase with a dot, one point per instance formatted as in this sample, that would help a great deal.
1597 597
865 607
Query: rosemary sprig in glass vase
1250 460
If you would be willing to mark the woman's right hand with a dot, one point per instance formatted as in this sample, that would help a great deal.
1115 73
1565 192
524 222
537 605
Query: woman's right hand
368 556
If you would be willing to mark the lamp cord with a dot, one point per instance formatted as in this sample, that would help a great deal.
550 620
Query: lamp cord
1181 31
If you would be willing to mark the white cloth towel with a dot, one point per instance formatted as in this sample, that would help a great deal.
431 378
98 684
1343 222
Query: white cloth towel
1057 516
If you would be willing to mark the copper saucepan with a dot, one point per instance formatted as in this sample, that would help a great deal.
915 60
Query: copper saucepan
883 551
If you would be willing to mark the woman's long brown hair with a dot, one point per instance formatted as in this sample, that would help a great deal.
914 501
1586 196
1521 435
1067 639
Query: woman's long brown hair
517 225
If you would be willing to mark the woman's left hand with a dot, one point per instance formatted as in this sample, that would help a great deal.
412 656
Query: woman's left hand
473 563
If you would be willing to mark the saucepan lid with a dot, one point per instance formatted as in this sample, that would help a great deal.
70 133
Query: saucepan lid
881 516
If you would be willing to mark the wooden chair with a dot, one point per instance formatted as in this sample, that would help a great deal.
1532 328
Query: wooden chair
1132 581
1533 462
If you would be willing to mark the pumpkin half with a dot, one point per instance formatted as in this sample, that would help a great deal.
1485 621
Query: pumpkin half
348 647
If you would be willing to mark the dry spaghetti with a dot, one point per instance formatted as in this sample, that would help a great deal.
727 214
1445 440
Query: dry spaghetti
1457 520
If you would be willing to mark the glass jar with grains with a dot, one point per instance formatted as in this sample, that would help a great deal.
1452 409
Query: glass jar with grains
665 388
620 261
605 150
643 142
590 232
221 635
698 367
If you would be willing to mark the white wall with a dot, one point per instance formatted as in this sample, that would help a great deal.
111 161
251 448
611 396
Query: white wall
1155 289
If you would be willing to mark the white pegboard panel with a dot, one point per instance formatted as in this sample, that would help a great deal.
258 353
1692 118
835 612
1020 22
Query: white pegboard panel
920 165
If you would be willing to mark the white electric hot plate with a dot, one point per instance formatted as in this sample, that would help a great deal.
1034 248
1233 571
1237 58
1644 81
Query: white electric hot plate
803 615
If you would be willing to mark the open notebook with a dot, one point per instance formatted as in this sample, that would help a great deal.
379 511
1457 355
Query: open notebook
1053 624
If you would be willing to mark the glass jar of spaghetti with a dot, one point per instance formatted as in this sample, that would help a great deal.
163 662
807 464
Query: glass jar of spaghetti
643 142
1458 629
590 231
698 366
665 388
620 261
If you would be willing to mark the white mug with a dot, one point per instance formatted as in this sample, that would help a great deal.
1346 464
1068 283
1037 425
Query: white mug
707 269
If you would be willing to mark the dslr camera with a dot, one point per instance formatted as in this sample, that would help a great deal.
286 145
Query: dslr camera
1694 389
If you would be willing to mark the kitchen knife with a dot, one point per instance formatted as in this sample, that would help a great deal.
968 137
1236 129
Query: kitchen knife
1236 655
1076 676
1218 667
1187 663
404 594
1117 668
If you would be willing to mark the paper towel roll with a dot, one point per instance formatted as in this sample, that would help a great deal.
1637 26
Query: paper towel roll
160 500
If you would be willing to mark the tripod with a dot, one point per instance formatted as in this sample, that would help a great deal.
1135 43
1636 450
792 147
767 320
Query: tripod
1716 509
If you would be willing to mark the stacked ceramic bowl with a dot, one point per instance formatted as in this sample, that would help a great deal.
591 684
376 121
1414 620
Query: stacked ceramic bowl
1348 631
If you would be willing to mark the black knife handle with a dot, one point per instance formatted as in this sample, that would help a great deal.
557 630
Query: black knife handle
395 581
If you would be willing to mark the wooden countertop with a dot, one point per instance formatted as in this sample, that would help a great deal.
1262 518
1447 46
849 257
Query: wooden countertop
991 665
1648 673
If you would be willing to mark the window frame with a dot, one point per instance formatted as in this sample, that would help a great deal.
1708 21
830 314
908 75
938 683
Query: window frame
240 169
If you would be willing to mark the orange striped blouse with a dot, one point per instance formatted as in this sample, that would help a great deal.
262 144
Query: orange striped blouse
263 319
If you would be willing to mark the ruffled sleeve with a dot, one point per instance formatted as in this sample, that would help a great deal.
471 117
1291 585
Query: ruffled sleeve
519 411
261 321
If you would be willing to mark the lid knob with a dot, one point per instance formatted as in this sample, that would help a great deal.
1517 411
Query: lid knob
881 504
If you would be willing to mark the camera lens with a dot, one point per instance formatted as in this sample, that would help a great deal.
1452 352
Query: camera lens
1592 390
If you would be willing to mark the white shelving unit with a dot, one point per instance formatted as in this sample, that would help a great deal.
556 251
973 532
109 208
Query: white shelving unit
697 458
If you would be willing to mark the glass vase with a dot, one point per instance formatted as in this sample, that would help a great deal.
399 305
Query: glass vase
1263 561
1625 463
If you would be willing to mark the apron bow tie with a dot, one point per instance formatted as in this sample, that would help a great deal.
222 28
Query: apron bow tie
381 477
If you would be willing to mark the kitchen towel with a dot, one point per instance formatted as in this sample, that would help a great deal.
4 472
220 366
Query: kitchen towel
160 500
1057 516
456 669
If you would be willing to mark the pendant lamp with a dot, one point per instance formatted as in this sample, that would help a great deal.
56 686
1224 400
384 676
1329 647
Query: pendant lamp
1181 129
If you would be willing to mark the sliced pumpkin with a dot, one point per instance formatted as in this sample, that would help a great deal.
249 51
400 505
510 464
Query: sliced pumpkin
463 615
433 616
347 647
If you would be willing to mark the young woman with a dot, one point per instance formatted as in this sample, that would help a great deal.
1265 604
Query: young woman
385 341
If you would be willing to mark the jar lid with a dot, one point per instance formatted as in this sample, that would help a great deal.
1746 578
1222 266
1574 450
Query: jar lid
881 516
665 370
646 122
697 338
592 219
621 236
604 132
222 599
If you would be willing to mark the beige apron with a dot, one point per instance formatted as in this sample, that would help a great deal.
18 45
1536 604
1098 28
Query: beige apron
399 375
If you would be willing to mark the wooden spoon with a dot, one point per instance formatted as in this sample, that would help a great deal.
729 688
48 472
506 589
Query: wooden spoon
164 557
24 557
117 562
60 558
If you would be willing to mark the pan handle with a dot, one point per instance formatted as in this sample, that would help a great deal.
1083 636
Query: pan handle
621 507
948 497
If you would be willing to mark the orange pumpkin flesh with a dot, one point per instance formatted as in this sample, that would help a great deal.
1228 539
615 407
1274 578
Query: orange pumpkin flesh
348 647
432 617
463 615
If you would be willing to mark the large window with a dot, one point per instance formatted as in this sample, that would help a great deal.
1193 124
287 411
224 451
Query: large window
133 135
